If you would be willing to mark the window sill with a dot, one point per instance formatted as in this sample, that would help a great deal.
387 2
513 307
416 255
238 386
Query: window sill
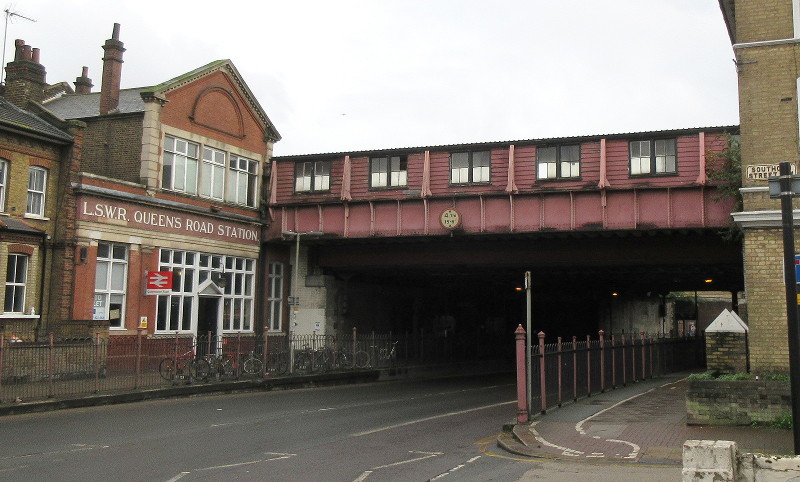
657 174
468 184
387 188
558 179
34 216
18 316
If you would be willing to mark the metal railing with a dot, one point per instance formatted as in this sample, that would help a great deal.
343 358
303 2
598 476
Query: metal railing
577 368
55 367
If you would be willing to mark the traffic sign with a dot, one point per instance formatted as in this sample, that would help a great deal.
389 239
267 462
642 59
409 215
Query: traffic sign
158 283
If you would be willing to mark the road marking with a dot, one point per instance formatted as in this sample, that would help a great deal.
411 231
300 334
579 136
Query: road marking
78 448
363 476
278 456
427 419
425 455
457 467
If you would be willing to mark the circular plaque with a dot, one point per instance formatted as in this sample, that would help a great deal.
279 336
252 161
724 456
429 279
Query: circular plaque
450 218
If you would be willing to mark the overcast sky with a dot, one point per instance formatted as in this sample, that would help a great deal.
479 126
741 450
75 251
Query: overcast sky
345 75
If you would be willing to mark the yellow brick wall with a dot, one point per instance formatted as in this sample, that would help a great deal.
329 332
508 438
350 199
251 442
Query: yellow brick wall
759 20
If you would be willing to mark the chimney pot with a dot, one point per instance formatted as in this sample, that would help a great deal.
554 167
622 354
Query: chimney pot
35 55
26 52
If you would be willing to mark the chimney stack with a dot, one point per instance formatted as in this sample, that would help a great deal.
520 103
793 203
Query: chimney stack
83 84
25 76
112 73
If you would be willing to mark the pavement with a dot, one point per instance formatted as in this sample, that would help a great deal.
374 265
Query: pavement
639 429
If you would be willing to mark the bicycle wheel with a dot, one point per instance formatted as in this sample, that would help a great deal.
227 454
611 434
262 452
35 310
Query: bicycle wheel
167 369
321 361
199 369
345 360
253 366
303 363
361 359
278 365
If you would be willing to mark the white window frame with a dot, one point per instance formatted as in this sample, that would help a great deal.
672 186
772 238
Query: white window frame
193 270
212 173
4 166
242 181
181 172
558 164
310 176
37 189
16 283
275 296
108 292
473 167
657 160
388 171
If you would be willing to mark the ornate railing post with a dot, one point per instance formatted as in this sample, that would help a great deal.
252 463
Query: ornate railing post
542 382
644 366
522 376
613 362
588 366
574 368
559 371
624 363
138 378
602 363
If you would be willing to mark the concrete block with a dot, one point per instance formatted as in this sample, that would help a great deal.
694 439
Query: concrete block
709 460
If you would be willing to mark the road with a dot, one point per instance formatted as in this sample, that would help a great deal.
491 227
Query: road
412 430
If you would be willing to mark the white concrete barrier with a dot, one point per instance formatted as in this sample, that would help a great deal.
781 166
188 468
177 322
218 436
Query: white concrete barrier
720 460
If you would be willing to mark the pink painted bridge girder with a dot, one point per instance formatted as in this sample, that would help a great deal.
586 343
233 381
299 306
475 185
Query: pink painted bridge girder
585 210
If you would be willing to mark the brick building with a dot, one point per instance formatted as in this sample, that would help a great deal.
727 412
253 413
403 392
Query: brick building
766 42
39 158
171 183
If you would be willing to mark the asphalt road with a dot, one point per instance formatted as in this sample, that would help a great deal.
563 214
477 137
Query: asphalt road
417 430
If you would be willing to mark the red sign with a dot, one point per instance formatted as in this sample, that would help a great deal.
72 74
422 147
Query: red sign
158 283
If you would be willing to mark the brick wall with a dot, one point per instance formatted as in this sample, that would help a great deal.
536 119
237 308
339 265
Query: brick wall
726 352
758 20
743 402
113 146
769 134
766 300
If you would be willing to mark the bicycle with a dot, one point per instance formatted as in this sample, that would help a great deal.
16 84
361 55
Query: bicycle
222 366
277 363
385 354
185 365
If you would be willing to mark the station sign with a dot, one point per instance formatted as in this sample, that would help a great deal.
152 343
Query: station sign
158 283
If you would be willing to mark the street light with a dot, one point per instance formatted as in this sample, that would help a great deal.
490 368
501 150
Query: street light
294 300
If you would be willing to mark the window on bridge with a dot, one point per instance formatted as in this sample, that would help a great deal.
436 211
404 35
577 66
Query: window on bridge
389 171
312 176
653 157
469 167
558 162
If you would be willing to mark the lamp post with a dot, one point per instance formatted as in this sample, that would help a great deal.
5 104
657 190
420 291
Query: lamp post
294 300
785 187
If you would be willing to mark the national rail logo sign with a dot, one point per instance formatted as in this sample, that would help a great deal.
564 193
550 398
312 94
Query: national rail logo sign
158 283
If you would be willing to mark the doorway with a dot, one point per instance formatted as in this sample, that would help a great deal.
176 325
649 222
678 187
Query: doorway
207 324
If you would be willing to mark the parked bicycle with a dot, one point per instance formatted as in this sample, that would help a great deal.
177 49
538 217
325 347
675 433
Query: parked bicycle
277 363
385 355
185 366
222 366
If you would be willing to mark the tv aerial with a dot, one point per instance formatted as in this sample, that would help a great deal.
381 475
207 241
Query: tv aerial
10 14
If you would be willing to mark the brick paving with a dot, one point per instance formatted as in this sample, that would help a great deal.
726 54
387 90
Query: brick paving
643 423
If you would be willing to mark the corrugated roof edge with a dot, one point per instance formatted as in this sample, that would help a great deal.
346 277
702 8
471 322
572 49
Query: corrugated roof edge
441 147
